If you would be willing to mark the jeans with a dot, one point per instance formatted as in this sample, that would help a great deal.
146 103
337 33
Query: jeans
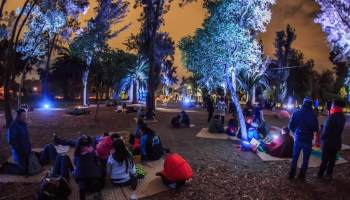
299 146
329 157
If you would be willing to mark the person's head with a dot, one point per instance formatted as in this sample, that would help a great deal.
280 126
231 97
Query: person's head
307 102
338 103
146 131
285 130
115 136
183 113
222 99
83 141
21 115
121 153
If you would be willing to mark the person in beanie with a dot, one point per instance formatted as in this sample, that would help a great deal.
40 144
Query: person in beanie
303 124
331 138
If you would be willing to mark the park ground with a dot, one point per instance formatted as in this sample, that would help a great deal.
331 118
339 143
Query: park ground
221 170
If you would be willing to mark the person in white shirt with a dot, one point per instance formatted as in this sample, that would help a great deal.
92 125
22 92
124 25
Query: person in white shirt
120 166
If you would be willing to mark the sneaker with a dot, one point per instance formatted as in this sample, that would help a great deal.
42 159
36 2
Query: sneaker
172 186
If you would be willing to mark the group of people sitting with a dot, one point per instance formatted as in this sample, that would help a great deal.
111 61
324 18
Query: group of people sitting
94 160
181 121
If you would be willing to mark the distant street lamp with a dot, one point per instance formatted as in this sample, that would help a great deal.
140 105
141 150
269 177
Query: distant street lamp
35 89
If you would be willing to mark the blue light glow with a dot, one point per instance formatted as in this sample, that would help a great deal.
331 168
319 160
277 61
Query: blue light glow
187 100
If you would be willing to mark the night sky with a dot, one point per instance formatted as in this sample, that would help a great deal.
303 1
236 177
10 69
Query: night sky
180 22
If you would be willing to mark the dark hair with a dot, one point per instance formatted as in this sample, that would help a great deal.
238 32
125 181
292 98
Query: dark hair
286 130
20 111
222 99
115 136
83 141
339 103
147 131
121 153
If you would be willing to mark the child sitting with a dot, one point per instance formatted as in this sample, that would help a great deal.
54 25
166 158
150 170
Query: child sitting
232 126
182 120
120 166
151 147
176 171
281 145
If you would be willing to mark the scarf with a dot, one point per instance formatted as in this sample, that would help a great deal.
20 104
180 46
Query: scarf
336 110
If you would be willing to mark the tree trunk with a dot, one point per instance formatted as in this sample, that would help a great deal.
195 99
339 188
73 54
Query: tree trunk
2 6
98 86
51 45
231 83
253 94
85 87
134 92
20 86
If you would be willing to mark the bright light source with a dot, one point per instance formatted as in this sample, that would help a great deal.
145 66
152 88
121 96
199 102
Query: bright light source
35 89
275 137
187 100
46 106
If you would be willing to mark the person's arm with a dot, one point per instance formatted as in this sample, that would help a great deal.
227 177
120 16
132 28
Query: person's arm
143 141
292 123
326 132
132 168
109 165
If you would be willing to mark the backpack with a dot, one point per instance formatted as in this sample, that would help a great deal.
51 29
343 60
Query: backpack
54 188
154 147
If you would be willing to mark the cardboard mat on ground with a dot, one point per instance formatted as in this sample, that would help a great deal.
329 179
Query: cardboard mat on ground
204 133
148 186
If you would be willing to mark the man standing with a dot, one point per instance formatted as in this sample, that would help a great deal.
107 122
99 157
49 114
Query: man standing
304 124
19 140
210 107
331 140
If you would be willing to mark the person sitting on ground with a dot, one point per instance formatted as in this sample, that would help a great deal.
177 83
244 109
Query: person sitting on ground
19 141
103 149
134 138
232 126
185 119
175 121
281 145
87 172
151 147
181 120
141 113
176 171
120 165
215 125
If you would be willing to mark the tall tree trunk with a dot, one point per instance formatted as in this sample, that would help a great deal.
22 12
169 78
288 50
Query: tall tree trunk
253 94
98 86
2 6
231 83
134 92
51 45
85 87
20 86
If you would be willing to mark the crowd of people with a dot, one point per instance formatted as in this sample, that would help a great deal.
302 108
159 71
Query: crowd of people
95 160
110 157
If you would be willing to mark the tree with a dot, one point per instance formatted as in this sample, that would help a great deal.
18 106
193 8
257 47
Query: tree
67 71
155 46
93 39
334 19
326 82
226 44
279 68
341 71
168 75
135 79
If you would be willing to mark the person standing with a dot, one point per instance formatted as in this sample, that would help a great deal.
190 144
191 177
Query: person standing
304 124
220 110
210 107
331 138
19 140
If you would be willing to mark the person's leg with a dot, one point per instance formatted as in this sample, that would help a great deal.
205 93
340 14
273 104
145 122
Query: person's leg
210 115
296 153
324 163
307 149
223 120
332 159
82 189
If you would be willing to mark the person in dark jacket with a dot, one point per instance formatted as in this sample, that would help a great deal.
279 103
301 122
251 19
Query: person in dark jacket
19 140
303 124
86 167
210 107
185 119
331 140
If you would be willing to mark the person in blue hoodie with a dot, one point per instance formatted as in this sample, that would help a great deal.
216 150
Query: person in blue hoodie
19 140
303 124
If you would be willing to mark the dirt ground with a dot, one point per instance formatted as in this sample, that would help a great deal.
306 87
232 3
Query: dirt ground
221 171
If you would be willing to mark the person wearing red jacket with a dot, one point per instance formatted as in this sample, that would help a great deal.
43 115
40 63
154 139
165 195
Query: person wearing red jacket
176 171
